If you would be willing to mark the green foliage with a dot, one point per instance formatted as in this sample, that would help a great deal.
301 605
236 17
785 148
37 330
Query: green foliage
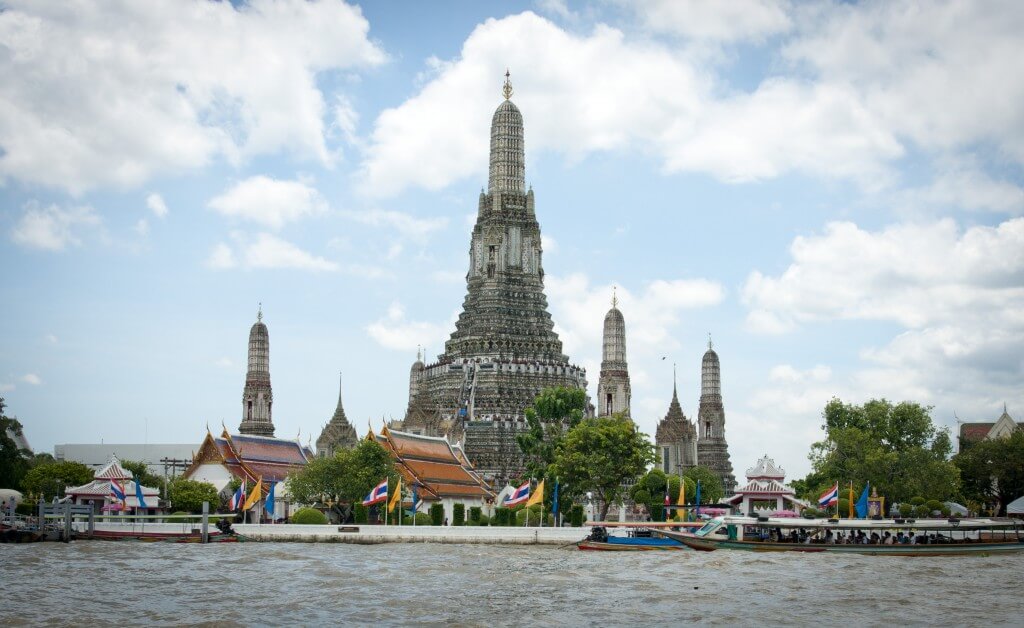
844 507
993 470
422 519
26 509
535 512
600 455
436 514
482 521
346 477
710 484
895 447
553 411
308 516
140 472
576 516
14 462
475 513
189 495
501 516
917 501
50 479
458 514
360 513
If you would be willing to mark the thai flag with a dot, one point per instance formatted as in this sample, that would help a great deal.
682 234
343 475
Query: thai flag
829 497
377 495
116 490
238 498
518 496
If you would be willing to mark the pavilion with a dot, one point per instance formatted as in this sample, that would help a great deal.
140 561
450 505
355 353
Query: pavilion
765 491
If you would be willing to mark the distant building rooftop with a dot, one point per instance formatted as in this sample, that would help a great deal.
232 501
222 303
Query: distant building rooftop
98 456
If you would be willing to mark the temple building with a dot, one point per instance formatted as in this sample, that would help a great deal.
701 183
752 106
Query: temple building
765 492
676 439
338 434
974 432
98 493
257 397
504 349
439 470
613 391
712 450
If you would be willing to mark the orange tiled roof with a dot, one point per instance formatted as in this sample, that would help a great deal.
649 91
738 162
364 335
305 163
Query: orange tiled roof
433 464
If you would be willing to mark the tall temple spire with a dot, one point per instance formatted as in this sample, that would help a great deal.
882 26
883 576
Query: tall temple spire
712 449
675 437
613 390
338 433
257 396
508 161
506 89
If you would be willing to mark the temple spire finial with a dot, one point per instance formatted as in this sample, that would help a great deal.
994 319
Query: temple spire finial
506 89
615 297
673 379
259 311
710 345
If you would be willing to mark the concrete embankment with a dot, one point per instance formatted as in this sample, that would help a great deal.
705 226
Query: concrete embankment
372 534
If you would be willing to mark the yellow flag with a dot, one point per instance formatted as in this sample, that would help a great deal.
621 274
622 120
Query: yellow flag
255 495
681 501
538 495
397 497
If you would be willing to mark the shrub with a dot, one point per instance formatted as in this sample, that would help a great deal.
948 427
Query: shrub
917 501
474 514
535 512
934 505
422 519
501 516
482 521
26 509
458 514
436 514
360 513
922 511
576 516
308 516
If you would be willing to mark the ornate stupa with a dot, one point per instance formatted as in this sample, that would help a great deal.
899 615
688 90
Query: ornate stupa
676 438
613 391
504 350
338 433
257 397
712 450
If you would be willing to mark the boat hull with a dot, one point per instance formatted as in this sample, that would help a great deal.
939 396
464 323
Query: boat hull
950 549
166 537
638 545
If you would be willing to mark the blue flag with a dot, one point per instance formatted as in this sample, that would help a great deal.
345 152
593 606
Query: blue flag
269 504
138 495
862 503
554 503
697 498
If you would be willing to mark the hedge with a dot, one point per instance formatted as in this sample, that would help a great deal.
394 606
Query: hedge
501 516
436 514
576 516
458 514
308 516
422 519
474 514
360 513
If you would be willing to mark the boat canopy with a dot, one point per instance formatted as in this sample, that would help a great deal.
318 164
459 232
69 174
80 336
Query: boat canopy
979 523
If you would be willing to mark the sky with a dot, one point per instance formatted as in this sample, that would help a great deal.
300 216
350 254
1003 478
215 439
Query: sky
832 191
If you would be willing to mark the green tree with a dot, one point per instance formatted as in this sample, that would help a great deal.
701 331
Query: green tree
599 455
710 484
895 447
553 412
992 470
50 479
346 477
14 462
140 472
189 495
650 490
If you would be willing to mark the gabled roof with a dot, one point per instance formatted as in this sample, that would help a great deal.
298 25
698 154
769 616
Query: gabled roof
766 469
113 471
251 457
975 431
433 464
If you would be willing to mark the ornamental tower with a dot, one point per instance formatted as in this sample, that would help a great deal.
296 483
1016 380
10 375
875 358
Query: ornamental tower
712 450
613 386
338 434
676 438
257 397
504 350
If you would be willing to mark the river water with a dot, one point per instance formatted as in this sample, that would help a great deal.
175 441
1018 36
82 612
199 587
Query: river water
96 582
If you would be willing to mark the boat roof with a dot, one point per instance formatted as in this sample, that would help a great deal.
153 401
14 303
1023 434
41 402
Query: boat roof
872 524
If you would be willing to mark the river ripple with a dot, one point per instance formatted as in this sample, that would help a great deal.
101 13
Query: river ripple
473 585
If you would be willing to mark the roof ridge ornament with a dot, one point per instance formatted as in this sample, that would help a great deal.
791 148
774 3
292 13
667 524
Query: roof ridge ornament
506 89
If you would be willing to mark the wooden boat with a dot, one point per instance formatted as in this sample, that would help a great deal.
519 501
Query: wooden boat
170 537
924 537
640 539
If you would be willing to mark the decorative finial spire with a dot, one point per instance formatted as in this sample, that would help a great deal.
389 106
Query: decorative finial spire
710 346
339 389
615 297
506 90
419 353
673 379
259 312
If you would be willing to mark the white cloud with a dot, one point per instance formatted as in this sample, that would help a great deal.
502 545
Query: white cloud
156 204
963 184
406 225
204 80
7 387
266 251
142 227
224 363
52 228
270 202
51 338
32 379
750 20
394 331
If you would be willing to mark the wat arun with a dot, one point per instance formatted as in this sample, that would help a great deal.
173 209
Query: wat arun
504 349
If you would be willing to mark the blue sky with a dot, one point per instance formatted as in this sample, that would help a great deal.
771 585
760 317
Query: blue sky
832 190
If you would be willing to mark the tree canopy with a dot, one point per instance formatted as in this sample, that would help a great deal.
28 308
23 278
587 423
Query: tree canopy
141 474
895 447
554 411
599 455
50 479
650 490
347 476
14 462
992 470
189 495
710 484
